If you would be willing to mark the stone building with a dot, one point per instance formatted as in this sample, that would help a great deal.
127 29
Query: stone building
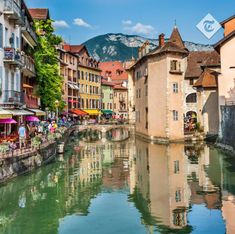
89 80
120 102
162 92
68 69
158 79
107 98
226 48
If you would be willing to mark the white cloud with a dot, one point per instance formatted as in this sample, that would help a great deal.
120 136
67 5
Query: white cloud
127 22
80 22
140 28
60 24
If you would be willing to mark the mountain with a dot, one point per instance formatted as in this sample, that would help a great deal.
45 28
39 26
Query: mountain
112 47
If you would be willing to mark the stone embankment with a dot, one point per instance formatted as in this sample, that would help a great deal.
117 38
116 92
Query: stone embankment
23 161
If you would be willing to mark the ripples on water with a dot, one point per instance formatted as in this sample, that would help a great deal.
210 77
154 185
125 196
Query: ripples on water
124 187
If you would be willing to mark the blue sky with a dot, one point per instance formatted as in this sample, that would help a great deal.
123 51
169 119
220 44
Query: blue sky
80 20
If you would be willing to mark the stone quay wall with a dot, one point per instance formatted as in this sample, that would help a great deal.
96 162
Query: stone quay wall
22 162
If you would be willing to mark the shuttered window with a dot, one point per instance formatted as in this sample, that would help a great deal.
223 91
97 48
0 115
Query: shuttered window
1 36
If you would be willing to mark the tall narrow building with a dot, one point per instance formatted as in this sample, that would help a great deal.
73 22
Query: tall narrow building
158 80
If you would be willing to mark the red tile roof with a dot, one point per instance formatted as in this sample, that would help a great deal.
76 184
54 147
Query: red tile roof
197 59
208 79
119 87
115 70
39 13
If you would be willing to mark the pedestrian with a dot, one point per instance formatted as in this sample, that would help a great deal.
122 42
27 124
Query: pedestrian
22 135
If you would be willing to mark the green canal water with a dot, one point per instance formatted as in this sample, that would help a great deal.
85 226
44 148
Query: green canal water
124 187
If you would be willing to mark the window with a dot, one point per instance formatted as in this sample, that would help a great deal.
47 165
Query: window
115 106
111 96
178 196
111 106
176 167
103 105
191 82
175 66
175 88
1 36
191 98
78 74
12 81
139 93
175 115
102 95
82 75
6 37
1 78
146 90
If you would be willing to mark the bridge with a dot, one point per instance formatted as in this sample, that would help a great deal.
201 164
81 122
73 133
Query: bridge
105 128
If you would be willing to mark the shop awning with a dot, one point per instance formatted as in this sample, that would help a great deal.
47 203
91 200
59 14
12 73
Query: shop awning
107 112
78 112
4 114
7 121
38 112
93 112
71 86
18 112
26 86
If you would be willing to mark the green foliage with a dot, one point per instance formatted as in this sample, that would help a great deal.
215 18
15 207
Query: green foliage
47 65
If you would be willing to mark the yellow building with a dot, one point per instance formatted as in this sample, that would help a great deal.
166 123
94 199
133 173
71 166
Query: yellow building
89 79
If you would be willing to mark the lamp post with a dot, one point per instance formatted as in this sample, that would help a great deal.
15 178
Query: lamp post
46 109
56 106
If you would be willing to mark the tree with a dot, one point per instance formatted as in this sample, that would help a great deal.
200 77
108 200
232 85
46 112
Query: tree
47 65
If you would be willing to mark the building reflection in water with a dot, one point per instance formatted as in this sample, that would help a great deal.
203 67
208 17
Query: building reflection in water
164 183
169 180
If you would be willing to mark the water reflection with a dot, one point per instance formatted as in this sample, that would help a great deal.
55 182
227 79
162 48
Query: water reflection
124 187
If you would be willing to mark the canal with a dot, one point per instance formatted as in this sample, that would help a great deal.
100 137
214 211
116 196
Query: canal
131 186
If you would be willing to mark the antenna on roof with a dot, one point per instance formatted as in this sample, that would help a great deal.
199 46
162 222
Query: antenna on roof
175 23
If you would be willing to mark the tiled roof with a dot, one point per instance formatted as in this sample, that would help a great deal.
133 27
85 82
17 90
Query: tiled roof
208 79
114 70
226 20
39 13
197 59
175 44
119 87
107 83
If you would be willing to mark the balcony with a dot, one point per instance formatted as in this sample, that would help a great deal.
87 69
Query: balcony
13 11
12 97
12 57
31 101
28 32
28 66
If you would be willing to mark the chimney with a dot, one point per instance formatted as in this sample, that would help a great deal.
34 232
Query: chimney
161 39
139 53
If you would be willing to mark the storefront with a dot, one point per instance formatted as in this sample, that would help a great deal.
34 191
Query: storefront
93 113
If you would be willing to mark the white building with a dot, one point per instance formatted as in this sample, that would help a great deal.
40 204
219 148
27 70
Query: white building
10 52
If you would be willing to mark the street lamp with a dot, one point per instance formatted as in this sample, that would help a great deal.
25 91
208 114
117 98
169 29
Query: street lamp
56 106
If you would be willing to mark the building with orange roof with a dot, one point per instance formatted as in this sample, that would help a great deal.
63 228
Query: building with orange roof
164 98
226 48
89 80
114 71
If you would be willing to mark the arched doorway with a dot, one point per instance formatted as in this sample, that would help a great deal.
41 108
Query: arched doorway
190 122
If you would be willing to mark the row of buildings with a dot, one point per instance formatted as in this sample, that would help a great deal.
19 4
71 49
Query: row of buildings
173 91
17 68
85 79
